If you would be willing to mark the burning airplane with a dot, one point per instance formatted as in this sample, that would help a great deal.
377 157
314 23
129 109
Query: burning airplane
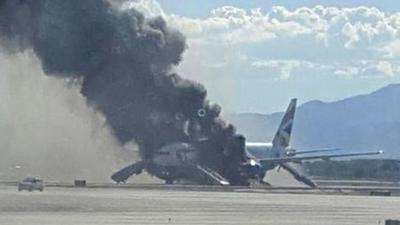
124 64
181 161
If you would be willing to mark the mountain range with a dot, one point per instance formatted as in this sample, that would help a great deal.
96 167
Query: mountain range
359 123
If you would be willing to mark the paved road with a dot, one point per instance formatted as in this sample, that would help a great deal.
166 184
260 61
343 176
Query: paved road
158 206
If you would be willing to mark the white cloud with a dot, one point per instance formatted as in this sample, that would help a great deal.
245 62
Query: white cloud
283 69
237 26
385 67
367 69
150 8
336 27
347 73
329 40
391 50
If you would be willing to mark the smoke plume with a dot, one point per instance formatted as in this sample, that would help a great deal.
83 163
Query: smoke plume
125 63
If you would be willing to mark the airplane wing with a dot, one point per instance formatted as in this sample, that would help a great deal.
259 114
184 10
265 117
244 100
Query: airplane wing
316 151
212 176
281 160
297 175
123 174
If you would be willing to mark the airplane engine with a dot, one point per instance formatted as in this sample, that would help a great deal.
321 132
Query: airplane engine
201 112
253 169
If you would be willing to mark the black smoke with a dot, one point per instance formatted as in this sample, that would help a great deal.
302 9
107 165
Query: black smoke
125 63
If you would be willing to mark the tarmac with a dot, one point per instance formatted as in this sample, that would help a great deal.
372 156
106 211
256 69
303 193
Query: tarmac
160 204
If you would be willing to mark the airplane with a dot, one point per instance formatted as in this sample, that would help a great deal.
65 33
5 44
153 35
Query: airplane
179 160
279 154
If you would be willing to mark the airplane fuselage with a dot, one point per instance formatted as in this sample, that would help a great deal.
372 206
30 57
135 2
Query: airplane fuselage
176 154
178 161
173 162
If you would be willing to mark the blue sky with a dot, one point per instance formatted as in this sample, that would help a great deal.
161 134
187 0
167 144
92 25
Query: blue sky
253 56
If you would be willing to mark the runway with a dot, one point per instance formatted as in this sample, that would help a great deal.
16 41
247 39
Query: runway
63 205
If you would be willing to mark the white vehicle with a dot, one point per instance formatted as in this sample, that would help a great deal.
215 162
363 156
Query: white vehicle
30 184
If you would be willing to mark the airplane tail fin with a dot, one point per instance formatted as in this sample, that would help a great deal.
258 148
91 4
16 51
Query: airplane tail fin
282 136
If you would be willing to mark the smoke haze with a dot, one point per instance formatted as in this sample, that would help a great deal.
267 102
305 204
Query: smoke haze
47 128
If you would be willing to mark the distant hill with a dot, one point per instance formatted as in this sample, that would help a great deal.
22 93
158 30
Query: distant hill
357 169
363 122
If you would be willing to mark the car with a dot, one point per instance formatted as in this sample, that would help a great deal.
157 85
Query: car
30 184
